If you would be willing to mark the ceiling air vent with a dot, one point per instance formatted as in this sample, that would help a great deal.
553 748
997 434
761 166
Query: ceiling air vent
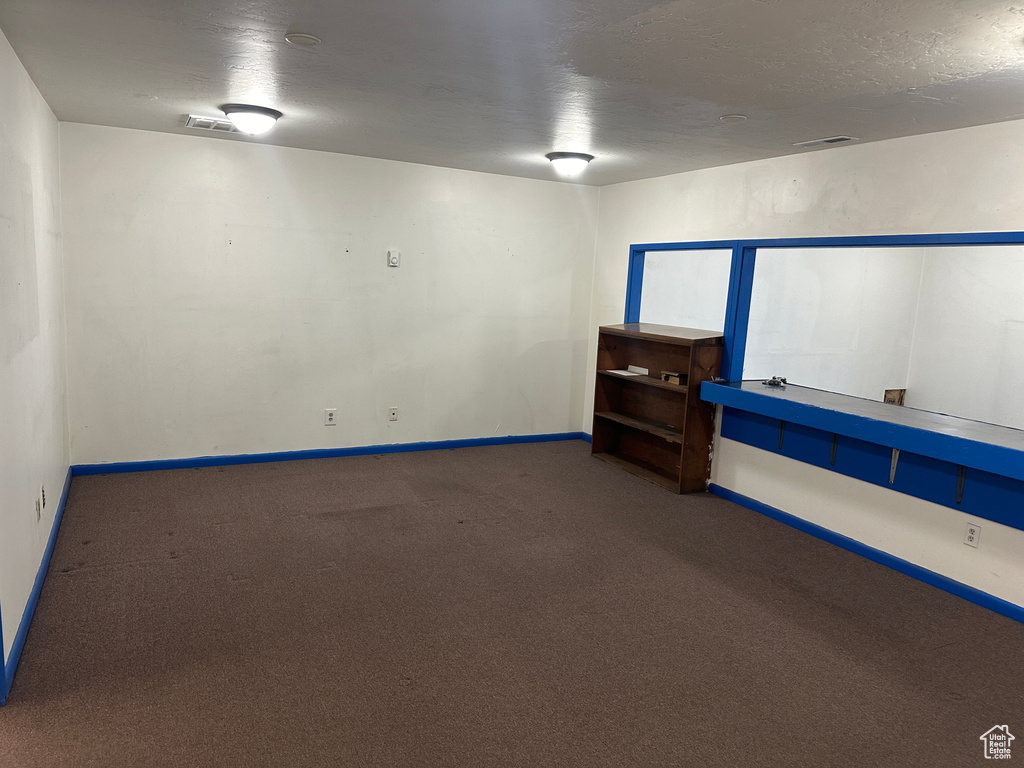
823 142
218 124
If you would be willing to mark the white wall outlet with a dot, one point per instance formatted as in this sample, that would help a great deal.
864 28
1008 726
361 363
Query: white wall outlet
972 535
394 258
330 417
392 414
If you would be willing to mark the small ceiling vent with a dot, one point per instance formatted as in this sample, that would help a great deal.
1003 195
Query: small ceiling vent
218 124
823 142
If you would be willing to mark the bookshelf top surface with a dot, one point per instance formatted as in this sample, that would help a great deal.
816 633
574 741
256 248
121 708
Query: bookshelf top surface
671 333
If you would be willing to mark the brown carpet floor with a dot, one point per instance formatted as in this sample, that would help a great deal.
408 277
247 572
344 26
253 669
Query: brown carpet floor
520 605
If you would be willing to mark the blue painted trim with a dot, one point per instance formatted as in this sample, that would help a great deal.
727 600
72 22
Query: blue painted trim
943 445
856 241
984 495
946 584
587 437
30 608
634 285
694 245
742 274
737 311
317 453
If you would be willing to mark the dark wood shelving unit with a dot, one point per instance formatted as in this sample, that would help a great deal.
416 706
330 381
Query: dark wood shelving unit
663 431
645 380
657 430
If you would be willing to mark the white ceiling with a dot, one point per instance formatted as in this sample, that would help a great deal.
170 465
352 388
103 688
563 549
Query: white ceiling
492 85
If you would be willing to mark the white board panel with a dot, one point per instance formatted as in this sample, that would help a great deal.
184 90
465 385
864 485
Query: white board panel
686 288
968 357
835 319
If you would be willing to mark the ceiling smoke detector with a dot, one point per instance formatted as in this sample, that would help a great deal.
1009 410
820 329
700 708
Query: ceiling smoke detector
825 142
302 40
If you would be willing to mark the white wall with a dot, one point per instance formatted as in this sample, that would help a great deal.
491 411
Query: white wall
686 288
968 357
222 294
841 320
33 433
957 181
928 534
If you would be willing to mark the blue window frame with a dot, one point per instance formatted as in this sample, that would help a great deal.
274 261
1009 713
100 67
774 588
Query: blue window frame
741 276
991 491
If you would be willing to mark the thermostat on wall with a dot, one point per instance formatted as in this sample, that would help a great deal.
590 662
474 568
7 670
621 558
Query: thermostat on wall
394 258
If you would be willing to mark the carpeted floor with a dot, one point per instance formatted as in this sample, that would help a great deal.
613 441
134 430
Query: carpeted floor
521 605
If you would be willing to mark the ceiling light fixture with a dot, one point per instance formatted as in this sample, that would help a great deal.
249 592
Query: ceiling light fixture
569 163
303 40
250 119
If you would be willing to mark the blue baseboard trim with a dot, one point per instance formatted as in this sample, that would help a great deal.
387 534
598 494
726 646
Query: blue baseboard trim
971 594
316 453
212 461
30 608
587 437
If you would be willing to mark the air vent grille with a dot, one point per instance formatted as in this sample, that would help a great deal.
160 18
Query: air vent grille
218 124
823 142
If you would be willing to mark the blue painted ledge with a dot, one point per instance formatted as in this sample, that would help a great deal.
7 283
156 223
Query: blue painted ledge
989 447
33 599
319 453
971 594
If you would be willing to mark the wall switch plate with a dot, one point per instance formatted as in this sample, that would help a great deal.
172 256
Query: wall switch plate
394 258
972 535
330 417
392 414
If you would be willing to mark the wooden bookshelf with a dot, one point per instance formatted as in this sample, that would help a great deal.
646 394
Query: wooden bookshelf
657 430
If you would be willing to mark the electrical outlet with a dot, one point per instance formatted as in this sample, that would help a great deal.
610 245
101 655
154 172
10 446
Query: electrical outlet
39 511
972 535
392 414
330 417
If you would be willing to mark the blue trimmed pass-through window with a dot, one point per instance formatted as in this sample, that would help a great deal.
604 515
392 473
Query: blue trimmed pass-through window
940 317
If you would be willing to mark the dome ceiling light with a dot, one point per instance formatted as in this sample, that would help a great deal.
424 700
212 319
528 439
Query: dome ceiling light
251 119
569 163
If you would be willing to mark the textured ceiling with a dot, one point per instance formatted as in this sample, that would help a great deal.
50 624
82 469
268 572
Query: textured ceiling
492 85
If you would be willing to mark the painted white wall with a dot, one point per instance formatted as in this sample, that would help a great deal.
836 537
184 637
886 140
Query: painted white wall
957 181
222 294
968 355
33 432
835 319
930 535
686 288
